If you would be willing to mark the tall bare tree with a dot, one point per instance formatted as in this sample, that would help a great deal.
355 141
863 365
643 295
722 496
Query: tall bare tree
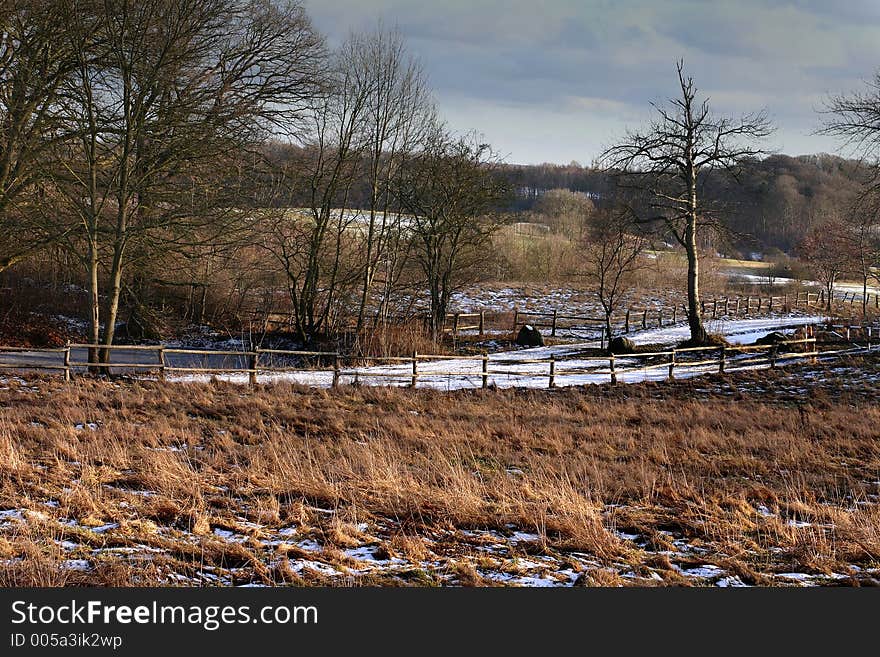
863 230
613 246
451 192
398 112
309 245
34 62
855 119
828 248
165 96
667 161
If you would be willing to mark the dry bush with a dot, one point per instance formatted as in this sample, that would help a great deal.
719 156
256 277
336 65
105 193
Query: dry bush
396 338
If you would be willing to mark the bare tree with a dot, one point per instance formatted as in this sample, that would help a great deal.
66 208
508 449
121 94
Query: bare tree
165 96
863 232
34 62
398 112
668 159
612 254
828 250
309 246
855 119
453 196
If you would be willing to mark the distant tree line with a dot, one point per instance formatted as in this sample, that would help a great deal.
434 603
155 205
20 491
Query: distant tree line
772 204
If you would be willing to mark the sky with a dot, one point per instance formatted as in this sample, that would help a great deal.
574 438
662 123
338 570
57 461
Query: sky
560 80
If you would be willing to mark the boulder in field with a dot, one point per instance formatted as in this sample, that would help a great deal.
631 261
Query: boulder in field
621 345
772 338
529 336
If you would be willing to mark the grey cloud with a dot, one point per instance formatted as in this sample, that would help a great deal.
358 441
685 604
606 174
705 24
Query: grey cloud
584 62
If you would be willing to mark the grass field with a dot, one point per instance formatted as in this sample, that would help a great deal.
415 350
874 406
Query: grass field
758 478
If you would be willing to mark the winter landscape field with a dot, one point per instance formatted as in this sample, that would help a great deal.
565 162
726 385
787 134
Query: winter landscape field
321 294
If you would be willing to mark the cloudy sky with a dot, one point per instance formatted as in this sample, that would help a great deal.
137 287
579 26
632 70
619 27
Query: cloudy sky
558 80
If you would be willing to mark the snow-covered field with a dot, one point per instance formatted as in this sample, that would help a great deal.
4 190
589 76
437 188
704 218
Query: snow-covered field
511 557
840 289
537 297
529 368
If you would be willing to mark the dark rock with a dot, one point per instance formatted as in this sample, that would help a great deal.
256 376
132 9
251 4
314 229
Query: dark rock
772 338
529 336
621 345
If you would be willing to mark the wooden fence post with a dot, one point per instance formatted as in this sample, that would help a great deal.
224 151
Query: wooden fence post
626 325
722 362
714 308
252 367
67 362
162 363
736 308
552 371
482 322
674 314
645 319
672 365
773 354
415 369
553 326
613 370
660 318
455 325
485 374
335 383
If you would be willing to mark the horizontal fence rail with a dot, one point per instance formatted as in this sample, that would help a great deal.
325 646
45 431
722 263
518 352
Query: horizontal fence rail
337 367
624 321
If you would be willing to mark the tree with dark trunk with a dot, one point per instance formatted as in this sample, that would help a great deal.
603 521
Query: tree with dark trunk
828 249
453 195
667 161
34 63
855 119
613 247
165 96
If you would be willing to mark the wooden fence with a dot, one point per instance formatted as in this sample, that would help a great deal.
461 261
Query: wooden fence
633 318
338 366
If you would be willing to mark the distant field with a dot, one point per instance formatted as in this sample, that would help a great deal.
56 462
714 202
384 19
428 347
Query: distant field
746 266
768 478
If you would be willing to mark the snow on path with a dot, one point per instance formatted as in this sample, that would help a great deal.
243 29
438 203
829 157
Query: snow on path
734 330
511 369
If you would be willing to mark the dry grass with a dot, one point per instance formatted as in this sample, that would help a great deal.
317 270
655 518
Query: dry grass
752 483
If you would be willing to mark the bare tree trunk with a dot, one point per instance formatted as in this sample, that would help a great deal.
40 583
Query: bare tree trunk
94 301
113 302
695 319
368 267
